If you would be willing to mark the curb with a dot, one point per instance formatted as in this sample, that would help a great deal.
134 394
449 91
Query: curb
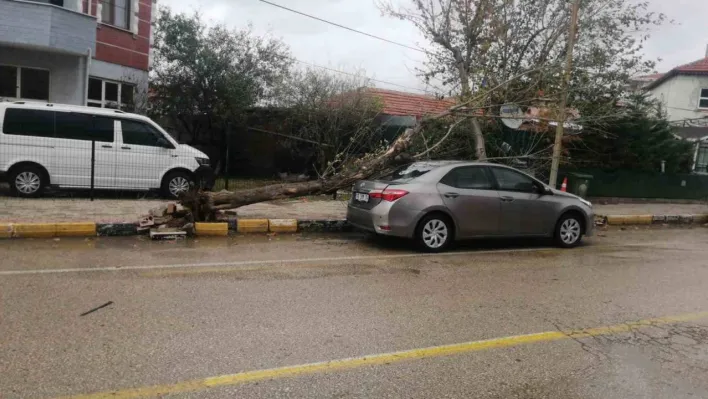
279 226
639 220
220 229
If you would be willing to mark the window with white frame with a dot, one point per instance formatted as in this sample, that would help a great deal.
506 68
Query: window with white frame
104 93
703 100
702 159
24 83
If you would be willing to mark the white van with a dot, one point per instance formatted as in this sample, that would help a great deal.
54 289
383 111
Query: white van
45 145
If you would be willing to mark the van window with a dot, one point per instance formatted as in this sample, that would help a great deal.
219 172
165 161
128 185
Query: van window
76 126
140 133
29 122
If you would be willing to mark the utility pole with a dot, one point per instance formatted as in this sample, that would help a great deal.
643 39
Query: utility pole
565 81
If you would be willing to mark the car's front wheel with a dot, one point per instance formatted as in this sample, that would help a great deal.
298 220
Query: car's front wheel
434 233
27 181
175 183
569 231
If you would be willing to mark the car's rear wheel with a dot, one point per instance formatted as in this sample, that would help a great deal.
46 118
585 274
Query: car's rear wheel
434 233
569 231
27 181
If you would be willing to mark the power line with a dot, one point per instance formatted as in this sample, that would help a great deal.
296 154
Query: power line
345 27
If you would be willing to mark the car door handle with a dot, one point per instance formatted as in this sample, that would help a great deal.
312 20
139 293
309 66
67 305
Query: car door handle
107 146
125 147
452 195
507 198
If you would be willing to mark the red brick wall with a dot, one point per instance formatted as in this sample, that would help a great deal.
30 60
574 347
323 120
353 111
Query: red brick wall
122 47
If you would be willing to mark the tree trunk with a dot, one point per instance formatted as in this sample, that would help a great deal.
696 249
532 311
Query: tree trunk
479 143
480 150
205 204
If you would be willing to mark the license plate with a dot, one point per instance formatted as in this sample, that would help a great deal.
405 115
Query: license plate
361 197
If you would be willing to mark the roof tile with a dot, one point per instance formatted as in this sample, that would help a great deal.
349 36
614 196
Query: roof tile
409 104
695 66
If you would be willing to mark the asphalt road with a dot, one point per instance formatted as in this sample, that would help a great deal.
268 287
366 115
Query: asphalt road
345 317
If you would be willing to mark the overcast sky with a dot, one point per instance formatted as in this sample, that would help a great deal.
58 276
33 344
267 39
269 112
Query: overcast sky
322 44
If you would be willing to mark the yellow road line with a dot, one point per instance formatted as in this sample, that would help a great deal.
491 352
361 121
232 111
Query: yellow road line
382 358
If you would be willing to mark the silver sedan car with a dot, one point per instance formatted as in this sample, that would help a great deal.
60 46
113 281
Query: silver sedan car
437 202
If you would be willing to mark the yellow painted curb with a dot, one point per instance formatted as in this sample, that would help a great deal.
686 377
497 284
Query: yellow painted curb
252 225
34 230
6 230
76 229
640 219
631 220
616 220
211 229
282 225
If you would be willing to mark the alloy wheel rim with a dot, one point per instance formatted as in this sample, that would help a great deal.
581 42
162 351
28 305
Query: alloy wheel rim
178 185
27 182
435 233
570 231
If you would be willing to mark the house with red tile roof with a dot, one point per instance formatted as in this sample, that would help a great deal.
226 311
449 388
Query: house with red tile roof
398 103
401 110
683 93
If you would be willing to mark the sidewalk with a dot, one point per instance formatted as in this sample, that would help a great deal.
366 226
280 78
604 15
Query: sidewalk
50 210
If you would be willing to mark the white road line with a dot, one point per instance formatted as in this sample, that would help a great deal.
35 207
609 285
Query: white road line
261 262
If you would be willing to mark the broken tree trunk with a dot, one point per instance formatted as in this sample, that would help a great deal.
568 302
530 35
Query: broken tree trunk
205 204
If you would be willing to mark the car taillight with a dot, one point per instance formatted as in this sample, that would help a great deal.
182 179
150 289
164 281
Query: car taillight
388 194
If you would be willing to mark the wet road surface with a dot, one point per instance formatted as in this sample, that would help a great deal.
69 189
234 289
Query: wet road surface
450 325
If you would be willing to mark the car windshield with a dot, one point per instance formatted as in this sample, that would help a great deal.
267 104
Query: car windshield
411 171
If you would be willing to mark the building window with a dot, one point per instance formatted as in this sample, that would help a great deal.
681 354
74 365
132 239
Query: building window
703 100
110 94
702 159
24 83
116 13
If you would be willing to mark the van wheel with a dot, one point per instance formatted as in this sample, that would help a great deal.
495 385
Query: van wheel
434 233
569 231
27 181
175 183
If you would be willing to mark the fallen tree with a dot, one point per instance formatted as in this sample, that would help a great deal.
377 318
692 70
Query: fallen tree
351 168
204 204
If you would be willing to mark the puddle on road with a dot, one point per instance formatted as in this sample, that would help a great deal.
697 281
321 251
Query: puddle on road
291 272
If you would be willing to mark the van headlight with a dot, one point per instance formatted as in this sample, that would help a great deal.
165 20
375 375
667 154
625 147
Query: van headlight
202 161
586 202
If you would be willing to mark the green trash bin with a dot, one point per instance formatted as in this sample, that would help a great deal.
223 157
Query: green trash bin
579 183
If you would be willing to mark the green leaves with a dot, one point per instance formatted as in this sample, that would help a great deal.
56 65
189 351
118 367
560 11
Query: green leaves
633 136
210 72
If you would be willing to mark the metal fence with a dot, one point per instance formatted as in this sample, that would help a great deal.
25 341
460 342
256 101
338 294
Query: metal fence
639 184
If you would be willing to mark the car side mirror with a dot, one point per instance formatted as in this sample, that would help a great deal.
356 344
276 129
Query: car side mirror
541 189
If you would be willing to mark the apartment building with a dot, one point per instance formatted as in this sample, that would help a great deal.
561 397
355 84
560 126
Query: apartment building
81 52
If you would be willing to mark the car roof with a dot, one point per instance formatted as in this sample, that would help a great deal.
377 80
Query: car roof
70 108
441 163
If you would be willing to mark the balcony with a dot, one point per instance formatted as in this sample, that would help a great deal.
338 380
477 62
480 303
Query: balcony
39 25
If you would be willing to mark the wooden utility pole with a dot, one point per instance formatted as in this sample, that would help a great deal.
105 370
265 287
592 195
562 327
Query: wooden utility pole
565 81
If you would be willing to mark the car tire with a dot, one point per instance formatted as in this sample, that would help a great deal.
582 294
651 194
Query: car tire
569 231
173 181
435 233
27 181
